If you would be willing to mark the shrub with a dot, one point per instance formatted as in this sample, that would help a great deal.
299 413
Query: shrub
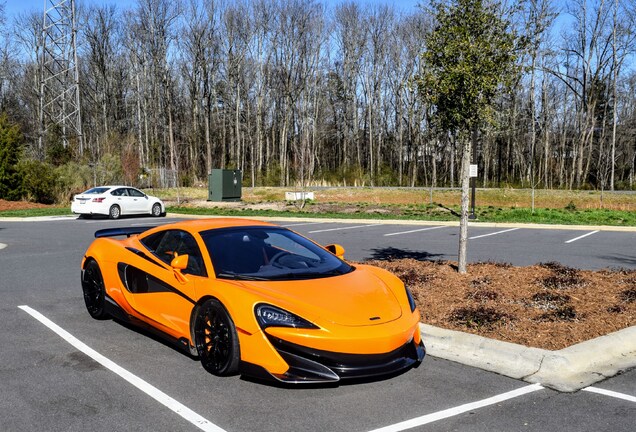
71 179
478 317
482 295
547 300
109 170
562 277
39 182
629 295
561 313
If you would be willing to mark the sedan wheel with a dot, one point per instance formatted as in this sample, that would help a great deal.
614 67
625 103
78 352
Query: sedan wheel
94 291
156 210
216 339
114 212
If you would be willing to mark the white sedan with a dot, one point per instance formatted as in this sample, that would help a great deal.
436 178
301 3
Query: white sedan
115 201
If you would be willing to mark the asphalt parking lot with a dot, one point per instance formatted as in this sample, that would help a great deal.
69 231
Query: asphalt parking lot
62 370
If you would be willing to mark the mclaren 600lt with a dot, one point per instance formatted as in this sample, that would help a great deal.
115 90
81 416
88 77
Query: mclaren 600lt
254 298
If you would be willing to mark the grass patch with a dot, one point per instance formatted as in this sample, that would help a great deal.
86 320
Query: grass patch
45 211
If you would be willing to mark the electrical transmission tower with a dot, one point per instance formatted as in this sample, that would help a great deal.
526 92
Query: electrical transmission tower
59 75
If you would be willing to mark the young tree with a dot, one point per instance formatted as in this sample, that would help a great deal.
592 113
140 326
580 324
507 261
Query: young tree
469 54
10 149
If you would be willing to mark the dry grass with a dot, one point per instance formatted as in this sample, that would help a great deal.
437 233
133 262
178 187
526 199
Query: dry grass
504 198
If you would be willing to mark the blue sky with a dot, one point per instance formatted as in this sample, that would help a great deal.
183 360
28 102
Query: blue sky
14 7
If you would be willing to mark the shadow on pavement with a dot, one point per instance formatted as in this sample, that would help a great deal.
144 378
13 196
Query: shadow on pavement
395 253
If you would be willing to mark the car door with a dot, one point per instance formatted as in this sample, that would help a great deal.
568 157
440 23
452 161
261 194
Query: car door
158 292
138 201
122 199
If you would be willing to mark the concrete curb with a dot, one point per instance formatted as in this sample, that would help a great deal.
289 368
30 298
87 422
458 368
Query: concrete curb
566 370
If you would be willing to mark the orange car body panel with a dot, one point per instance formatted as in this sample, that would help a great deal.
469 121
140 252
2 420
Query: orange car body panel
373 317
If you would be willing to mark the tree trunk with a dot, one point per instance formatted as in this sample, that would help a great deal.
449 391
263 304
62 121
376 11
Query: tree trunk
465 201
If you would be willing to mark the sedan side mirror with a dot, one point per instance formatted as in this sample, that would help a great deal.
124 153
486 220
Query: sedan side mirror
336 249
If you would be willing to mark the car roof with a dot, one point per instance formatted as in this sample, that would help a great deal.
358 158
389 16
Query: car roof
198 225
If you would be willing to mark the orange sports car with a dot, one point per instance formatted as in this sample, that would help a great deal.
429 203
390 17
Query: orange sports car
254 298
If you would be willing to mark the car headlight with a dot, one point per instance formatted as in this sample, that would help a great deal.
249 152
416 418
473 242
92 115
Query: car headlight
411 299
272 316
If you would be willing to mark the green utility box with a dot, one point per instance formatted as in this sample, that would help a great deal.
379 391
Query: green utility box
224 185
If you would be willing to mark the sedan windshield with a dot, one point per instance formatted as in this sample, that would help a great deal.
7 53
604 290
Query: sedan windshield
268 253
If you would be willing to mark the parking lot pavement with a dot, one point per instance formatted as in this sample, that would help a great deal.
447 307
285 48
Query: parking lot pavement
517 246
48 384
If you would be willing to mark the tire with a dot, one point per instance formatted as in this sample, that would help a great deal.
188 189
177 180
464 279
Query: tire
156 210
114 212
216 339
94 290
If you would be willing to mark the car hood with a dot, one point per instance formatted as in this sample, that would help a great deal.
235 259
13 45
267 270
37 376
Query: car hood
359 298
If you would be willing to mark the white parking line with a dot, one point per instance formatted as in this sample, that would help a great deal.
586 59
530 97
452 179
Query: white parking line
142 385
339 229
304 223
583 236
451 412
492 234
413 231
610 393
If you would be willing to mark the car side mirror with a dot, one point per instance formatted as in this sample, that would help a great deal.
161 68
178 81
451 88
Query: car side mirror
336 249
179 263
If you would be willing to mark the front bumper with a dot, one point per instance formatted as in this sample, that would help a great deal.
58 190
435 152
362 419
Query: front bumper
308 365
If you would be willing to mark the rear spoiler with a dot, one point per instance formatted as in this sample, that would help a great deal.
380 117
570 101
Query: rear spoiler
127 231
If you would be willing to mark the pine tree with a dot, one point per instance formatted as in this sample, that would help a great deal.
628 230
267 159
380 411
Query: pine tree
10 151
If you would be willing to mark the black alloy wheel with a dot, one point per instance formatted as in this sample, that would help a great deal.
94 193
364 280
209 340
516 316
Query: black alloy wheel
94 290
216 339
114 212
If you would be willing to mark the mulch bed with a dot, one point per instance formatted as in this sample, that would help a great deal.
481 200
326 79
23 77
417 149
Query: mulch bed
546 306
19 205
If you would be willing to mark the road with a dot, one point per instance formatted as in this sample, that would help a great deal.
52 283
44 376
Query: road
48 384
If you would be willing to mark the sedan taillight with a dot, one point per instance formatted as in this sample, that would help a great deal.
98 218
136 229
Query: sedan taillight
97 200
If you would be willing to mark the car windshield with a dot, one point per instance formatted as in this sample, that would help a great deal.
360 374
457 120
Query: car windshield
96 190
268 253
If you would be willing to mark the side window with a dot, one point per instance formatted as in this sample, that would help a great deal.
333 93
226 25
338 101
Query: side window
135 193
119 192
181 243
152 241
